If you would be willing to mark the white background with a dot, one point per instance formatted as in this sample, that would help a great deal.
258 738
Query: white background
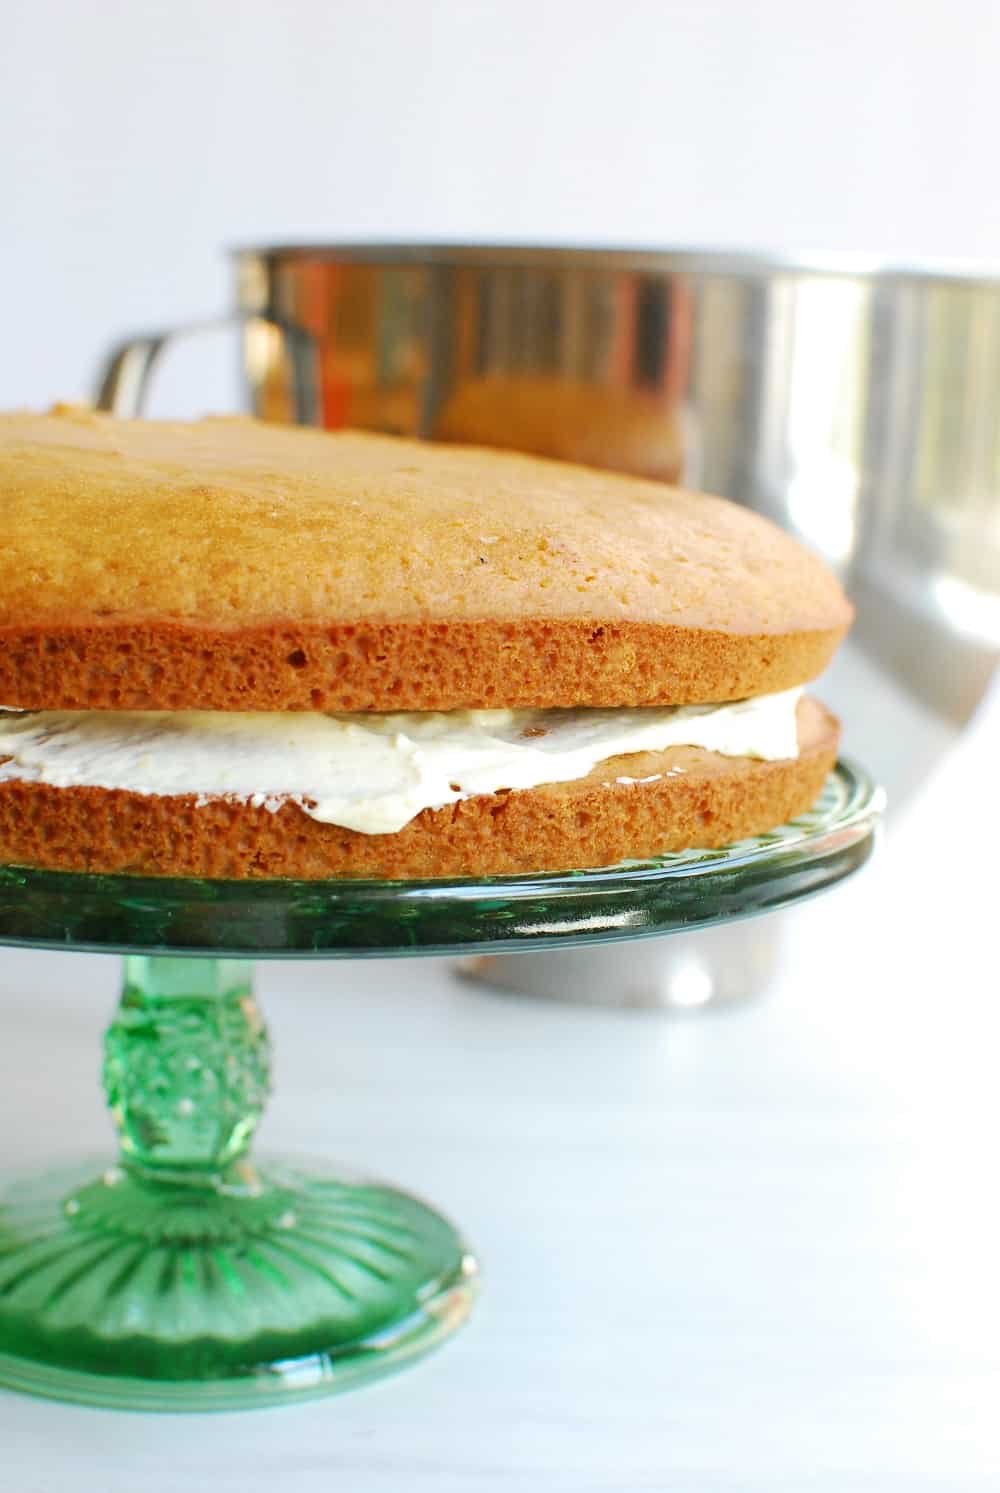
141 137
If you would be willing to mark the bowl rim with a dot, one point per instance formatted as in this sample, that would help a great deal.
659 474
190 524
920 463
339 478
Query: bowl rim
754 264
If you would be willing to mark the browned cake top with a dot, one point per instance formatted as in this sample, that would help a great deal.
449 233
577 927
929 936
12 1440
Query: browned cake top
191 532
231 521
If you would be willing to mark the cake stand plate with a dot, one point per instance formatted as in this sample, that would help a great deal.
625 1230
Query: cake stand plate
186 1277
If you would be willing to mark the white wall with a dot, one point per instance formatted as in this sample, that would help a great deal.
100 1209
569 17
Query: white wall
139 137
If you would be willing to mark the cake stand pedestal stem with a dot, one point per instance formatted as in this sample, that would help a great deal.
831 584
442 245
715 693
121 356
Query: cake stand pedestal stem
184 1277
187 1066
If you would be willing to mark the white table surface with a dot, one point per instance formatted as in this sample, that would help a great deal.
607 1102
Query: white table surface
749 1249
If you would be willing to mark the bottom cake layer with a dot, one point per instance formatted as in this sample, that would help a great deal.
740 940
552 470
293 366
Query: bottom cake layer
628 807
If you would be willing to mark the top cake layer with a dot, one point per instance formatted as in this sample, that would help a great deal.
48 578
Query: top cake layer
229 564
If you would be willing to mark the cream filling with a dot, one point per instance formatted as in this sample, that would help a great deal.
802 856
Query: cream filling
366 772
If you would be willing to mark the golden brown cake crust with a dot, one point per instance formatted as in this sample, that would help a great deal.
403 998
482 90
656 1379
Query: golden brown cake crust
397 666
696 799
228 564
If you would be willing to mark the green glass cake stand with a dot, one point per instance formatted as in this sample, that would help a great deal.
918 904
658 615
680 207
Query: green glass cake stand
185 1276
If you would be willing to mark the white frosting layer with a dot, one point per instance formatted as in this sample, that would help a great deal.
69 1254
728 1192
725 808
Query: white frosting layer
371 773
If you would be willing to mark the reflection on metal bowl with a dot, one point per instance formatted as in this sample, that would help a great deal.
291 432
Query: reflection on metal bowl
710 967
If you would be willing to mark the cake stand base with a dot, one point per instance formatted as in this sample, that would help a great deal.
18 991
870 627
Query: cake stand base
184 1278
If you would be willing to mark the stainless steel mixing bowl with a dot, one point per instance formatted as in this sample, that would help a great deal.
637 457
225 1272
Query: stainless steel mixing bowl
859 407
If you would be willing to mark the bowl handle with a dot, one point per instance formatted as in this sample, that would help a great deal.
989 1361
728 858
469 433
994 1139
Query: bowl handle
125 375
